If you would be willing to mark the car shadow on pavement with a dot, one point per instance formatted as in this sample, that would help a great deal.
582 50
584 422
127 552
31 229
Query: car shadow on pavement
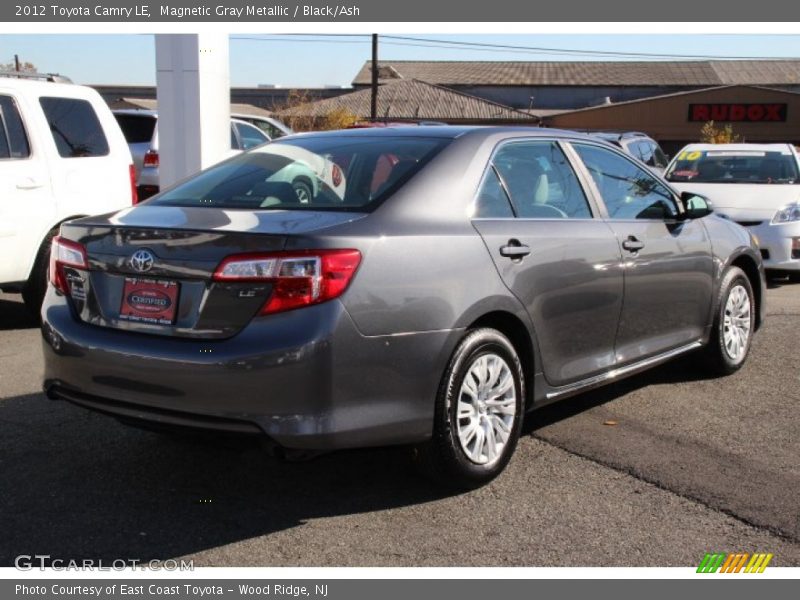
74 484
682 369
14 315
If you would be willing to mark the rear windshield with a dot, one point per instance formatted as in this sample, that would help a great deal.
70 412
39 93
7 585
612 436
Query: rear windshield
733 166
315 173
137 129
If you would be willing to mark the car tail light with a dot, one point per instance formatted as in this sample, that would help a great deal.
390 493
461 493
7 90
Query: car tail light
298 278
65 253
150 158
134 193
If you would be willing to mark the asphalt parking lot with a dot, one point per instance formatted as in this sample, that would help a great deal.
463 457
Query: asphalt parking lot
692 465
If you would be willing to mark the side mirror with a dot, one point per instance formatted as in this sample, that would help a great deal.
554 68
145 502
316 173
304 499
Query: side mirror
695 206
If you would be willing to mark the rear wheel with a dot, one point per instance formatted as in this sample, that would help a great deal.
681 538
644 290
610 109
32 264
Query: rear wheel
303 191
478 415
35 288
732 333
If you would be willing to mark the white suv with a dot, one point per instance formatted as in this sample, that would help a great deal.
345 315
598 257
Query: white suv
62 156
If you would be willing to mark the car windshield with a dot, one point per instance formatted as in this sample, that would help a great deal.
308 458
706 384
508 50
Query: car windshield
733 166
308 173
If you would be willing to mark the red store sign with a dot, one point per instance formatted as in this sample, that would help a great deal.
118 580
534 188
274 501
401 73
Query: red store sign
730 113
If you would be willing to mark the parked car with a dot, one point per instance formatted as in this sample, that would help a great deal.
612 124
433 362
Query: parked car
62 156
756 185
140 128
273 128
459 278
638 145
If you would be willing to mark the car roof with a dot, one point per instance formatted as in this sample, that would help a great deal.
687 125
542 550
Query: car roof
452 132
44 88
740 147
143 112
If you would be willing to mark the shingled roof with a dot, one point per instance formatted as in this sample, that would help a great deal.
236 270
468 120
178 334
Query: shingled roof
608 73
150 104
409 99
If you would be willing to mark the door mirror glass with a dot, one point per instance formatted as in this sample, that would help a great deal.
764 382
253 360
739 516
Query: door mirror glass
695 206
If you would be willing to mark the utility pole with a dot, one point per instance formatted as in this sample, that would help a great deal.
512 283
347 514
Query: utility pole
16 63
373 113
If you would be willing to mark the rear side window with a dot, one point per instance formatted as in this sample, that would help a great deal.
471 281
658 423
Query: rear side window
314 173
645 152
75 127
492 201
137 129
250 136
540 181
13 140
660 159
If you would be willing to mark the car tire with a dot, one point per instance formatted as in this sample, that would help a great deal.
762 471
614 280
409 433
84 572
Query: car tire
734 322
303 191
474 434
35 288
794 277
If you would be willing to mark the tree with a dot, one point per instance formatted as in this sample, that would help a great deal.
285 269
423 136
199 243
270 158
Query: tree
296 112
26 67
711 134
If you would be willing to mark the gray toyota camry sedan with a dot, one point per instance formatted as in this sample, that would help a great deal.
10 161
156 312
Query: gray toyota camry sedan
430 287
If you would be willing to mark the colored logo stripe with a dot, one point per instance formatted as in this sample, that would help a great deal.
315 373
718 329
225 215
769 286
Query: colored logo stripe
758 563
711 562
734 562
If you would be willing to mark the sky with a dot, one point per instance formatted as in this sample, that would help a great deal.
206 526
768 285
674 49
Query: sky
313 61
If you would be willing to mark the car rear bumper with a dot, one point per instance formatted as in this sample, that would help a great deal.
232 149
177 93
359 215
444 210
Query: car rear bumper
306 378
775 244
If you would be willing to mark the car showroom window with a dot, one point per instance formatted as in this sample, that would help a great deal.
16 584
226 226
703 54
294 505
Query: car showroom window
75 127
540 181
13 140
492 201
628 191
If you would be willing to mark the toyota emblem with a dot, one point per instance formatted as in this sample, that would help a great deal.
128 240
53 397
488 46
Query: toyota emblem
142 261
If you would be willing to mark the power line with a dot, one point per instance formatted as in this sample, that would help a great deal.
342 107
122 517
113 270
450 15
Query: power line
487 47
573 51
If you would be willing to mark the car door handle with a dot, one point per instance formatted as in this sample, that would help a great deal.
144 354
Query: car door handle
515 250
632 244
29 184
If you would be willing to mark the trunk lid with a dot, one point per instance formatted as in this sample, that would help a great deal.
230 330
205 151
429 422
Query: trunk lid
151 267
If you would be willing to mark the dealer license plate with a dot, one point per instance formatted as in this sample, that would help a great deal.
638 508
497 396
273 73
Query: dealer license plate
149 301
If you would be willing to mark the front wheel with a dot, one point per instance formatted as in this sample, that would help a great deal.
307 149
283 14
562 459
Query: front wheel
734 322
478 414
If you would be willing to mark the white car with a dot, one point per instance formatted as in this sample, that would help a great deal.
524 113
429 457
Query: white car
62 156
140 127
756 185
271 126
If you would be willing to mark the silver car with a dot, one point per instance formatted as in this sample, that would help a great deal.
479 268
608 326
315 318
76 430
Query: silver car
438 284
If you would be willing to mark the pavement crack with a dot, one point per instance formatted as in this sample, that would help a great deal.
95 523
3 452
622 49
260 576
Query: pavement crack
640 476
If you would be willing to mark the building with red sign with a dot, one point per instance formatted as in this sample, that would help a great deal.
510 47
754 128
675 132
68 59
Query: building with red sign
757 114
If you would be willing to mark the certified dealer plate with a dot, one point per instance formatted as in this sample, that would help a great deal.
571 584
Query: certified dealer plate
149 301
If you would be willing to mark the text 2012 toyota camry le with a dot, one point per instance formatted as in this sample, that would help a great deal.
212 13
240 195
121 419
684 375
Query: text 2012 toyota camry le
435 286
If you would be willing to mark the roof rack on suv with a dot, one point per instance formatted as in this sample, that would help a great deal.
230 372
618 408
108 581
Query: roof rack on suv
52 77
